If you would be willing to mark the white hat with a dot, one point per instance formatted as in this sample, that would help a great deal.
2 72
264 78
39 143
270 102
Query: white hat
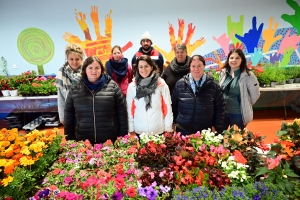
146 35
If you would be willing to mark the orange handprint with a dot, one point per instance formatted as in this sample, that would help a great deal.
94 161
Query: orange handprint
217 60
268 35
100 47
173 42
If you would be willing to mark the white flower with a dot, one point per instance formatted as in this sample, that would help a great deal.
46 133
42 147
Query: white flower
233 174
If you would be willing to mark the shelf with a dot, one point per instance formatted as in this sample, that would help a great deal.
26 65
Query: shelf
31 97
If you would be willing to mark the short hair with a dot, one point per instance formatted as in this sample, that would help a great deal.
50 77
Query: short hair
199 57
74 48
116 47
89 61
180 46
243 65
148 60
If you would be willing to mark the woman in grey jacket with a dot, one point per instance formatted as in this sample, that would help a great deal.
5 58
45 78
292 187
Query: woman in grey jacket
240 90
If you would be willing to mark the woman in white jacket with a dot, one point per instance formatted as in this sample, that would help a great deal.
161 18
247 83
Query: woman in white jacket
148 100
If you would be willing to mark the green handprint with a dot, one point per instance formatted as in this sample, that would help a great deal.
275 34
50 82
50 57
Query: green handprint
237 26
294 20
287 56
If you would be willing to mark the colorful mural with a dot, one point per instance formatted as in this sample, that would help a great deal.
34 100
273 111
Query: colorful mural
101 46
36 47
3 66
180 37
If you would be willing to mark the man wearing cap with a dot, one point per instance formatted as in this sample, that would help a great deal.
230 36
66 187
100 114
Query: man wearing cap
147 49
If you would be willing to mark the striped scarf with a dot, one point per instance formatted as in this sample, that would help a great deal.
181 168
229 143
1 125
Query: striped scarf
66 77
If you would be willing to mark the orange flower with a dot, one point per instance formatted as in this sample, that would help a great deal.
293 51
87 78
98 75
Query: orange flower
238 157
237 137
56 171
9 169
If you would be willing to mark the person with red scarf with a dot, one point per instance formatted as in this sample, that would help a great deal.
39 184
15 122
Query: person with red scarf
118 69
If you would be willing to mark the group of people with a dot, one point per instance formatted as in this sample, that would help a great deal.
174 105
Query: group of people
98 102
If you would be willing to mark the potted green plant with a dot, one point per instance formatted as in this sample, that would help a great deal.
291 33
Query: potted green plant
291 73
297 79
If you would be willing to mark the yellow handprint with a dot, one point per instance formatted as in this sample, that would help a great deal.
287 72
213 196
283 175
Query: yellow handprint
108 22
268 35
173 42
71 38
80 18
95 19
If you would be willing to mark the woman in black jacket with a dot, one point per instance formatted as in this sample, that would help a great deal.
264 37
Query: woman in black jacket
95 107
197 101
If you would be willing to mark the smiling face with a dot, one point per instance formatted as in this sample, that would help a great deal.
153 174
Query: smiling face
144 69
180 55
74 61
117 54
197 68
93 72
146 44
234 61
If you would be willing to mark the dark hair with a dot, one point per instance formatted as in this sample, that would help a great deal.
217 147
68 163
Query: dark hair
89 61
243 65
148 60
116 47
199 58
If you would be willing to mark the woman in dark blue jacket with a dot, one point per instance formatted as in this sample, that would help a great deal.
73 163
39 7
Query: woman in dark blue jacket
197 101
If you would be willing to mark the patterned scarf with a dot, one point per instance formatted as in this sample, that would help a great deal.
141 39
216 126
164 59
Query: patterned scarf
66 77
145 87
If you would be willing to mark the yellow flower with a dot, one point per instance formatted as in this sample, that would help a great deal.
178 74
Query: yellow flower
297 121
7 180
25 150
37 147
2 162
24 161
4 143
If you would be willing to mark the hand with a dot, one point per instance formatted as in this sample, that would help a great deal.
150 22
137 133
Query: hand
256 56
293 19
251 38
223 41
213 129
108 24
174 128
289 41
218 61
286 56
190 47
237 27
71 38
80 18
275 57
95 20
268 35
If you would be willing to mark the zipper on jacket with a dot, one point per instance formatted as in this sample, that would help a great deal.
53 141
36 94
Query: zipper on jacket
94 117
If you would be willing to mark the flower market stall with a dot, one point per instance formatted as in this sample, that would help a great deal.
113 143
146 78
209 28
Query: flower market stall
236 165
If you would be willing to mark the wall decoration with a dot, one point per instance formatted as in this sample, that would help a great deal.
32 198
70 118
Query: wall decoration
36 47
173 42
294 20
101 46
3 67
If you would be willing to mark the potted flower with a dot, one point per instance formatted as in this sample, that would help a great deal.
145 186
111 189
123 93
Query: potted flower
297 79
4 85
292 73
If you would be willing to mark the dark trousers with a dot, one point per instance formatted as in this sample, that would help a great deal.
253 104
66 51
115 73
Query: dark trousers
233 119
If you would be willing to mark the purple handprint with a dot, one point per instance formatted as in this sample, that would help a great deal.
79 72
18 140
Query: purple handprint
251 38
274 58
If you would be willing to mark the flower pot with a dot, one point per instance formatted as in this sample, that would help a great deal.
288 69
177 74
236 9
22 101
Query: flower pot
297 80
290 81
5 93
13 93
263 85
273 84
282 82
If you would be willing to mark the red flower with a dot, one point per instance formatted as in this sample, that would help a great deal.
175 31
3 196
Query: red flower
119 182
131 192
238 157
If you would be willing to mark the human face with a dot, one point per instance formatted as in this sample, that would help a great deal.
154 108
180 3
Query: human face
197 69
93 72
180 55
146 44
144 69
117 54
234 61
74 61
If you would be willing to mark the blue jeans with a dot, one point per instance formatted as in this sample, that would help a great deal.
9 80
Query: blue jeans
233 119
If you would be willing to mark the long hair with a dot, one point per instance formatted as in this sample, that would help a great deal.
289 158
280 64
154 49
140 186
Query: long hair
89 61
243 65
148 60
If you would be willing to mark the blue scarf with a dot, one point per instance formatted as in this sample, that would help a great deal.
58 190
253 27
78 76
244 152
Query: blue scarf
119 68
94 87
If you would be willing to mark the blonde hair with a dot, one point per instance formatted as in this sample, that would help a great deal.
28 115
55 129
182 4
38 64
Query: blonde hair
74 48
180 46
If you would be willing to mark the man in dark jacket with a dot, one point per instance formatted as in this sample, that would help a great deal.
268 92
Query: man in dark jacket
197 101
147 49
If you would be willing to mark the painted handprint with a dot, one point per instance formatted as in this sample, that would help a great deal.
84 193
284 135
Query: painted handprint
274 58
286 56
268 35
256 56
100 47
173 42
251 38
223 41
238 27
289 41
294 20
217 60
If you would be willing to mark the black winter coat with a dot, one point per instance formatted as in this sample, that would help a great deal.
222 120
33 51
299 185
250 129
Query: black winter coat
195 112
95 116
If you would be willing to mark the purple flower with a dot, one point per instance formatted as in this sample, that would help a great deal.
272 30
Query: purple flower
56 192
164 189
143 191
44 193
256 197
151 194
117 196
97 147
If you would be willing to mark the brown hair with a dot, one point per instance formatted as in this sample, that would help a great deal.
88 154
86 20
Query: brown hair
180 46
89 61
199 58
74 48
243 65
148 60
116 47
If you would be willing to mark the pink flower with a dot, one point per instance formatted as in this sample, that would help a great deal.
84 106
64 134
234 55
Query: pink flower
272 163
68 180
62 172
72 172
